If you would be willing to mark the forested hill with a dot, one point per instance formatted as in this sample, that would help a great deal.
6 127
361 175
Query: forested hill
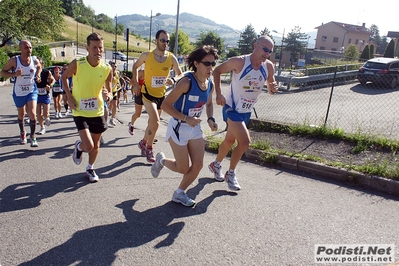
190 24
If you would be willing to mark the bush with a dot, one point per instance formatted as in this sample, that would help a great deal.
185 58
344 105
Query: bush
3 61
44 52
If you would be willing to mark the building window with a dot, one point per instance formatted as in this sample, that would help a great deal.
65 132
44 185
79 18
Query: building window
334 49
349 41
322 48
324 38
335 39
357 41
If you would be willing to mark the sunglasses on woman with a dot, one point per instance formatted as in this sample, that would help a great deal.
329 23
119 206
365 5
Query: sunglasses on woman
207 63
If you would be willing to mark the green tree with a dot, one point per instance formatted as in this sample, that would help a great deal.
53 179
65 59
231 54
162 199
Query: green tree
232 52
295 43
351 52
183 42
247 39
379 42
67 5
381 48
210 38
3 61
44 52
365 53
372 50
390 50
22 18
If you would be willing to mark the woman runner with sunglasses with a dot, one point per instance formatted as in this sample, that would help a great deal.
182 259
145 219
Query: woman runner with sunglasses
185 103
250 73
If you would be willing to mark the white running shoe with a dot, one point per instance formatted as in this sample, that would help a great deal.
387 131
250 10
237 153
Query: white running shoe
42 131
156 167
47 121
93 177
130 129
22 138
59 115
33 142
112 122
183 199
77 154
231 179
216 169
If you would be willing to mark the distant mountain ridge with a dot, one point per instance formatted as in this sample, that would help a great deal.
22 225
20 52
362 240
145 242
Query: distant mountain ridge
191 24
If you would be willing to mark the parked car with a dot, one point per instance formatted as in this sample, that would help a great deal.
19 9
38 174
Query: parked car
381 71
119 56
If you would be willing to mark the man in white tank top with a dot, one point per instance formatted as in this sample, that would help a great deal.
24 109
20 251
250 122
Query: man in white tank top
250 73
26 69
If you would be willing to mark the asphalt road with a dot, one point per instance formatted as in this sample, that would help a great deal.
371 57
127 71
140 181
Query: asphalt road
51 215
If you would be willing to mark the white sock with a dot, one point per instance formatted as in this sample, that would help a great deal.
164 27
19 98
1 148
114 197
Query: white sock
179 190
89 166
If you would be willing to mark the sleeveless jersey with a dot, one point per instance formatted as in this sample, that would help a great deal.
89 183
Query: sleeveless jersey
41 86
192 103
155 75
57 85
246 87
115 80
87 88
25 83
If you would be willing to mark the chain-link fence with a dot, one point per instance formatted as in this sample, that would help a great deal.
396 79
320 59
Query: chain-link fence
337 100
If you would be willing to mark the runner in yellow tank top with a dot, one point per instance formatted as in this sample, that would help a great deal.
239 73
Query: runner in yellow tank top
89 74
156 77
155 80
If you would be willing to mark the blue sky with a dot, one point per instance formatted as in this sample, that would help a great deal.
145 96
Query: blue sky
261 14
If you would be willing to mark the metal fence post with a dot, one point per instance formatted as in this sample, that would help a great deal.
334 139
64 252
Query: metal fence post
331 93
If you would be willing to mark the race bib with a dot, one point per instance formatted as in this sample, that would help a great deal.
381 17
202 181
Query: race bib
158 81
42 91
57 89
89 104
245 105
195 112
23 90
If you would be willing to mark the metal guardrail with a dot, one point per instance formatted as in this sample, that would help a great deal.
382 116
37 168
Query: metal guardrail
320 77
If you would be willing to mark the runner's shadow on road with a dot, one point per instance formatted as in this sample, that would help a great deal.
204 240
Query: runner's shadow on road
99 245
30 194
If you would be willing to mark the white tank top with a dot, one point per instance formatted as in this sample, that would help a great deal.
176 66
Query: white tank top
25 83
246 86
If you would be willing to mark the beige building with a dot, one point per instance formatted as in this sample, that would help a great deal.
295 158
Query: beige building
336 37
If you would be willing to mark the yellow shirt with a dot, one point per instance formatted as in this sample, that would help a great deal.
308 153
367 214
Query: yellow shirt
87 88
155 75
115 80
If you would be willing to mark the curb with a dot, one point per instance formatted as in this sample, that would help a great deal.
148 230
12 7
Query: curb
318 170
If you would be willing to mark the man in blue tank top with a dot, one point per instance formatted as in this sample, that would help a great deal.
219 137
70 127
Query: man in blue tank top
26 69
250 73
